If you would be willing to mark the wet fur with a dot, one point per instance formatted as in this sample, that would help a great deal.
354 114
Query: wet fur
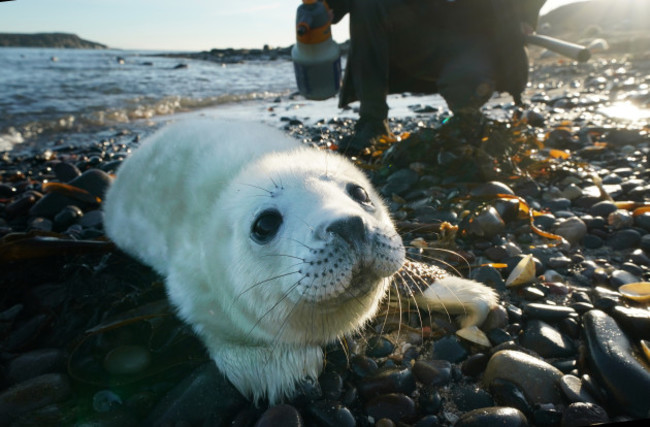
185 203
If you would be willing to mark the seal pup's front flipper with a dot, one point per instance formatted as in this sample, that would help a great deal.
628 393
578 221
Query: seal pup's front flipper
433 288
456 295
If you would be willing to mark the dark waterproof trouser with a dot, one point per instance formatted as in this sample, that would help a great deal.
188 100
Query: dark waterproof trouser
463 49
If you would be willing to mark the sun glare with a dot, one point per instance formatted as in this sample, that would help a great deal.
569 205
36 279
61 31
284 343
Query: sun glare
626 111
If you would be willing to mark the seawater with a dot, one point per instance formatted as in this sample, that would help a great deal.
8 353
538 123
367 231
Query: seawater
66 94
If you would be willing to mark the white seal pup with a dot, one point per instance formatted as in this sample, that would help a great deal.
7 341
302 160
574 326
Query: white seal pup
269 249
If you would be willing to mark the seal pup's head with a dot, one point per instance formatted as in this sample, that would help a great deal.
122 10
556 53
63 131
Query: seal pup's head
269 250
310 250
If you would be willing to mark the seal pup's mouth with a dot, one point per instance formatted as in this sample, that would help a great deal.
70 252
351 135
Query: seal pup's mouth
362 282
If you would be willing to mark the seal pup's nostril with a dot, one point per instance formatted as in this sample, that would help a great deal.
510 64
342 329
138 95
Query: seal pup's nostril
350 229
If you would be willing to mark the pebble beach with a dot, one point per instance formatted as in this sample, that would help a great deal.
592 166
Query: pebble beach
548 204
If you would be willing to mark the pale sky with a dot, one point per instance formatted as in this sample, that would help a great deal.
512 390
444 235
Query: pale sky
190 25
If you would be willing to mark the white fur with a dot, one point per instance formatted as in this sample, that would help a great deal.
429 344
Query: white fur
185 203
456 295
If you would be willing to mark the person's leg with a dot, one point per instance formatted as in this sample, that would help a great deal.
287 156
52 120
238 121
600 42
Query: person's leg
369 56
367 70
466 81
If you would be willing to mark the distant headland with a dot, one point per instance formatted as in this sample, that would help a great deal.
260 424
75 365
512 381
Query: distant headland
58 40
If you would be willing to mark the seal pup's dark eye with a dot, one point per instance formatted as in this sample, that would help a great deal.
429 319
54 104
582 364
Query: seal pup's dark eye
266 226
358 193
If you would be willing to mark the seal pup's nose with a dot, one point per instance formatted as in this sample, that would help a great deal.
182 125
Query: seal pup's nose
350 229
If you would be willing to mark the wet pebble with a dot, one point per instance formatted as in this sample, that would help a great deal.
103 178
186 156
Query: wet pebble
449 348
643 221
536 378
106 401
557 204
506 393
613 364
548 312
591 241
428 421
470 397
25 202
559 262
475 364
544 221
127 359
40 224
497 318
624 239
280 415
644 243
531 293
432 372
67 216
32 394
94 181
546 341
574 390
331 384
363 366
572 229
391 380
65 171
487 223
634 321
639 256
547 415
489 276
498 336
92 219
400 182
331 414
572 192
620 219
583 414
396 407
622 277
204 392
430 400
496 415
379 346
7 191
603 209
34 363
491 188
26 332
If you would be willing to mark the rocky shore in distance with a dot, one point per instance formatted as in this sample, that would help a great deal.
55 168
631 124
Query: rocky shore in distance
87 336
234 56
54 40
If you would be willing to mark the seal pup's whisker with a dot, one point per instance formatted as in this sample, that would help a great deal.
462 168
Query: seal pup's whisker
417 308
279 276
275 185
436 260
387 301
270 193
302 244
432 289
415 279
285 322
274 306
412 297
285 256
